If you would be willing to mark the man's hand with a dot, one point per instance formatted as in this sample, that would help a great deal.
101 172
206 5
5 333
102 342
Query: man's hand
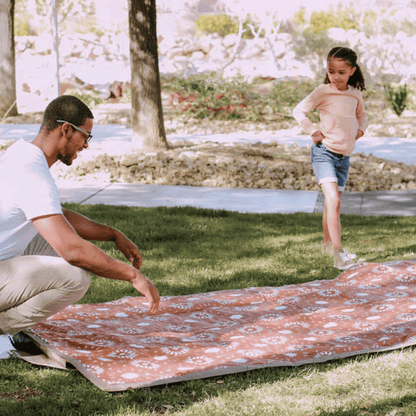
94 231
60 234
359 134
148 290
129 249
317 137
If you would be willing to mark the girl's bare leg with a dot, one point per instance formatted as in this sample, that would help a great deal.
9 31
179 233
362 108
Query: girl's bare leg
327 237
331 221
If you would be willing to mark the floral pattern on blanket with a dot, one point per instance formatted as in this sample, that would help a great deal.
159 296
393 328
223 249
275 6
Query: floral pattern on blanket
117 345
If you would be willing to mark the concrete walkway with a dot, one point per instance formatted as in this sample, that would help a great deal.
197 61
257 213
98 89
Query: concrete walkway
262 201
241 200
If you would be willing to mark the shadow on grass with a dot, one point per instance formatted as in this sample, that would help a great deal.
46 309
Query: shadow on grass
55 392
388 407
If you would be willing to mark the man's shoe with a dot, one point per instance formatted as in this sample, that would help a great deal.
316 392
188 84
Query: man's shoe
23 342
341 259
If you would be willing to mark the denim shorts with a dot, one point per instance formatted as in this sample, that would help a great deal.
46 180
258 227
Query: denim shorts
329 166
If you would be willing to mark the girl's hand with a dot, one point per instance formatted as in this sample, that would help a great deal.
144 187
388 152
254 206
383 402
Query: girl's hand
317 137
359 134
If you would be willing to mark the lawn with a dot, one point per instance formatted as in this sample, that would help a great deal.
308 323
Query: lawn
189 251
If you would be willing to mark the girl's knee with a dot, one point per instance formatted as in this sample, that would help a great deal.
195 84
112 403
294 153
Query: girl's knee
333 201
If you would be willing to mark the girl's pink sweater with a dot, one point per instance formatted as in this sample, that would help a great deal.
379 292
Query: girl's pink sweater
342 114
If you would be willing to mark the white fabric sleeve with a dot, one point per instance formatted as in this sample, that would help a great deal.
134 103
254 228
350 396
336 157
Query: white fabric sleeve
38 195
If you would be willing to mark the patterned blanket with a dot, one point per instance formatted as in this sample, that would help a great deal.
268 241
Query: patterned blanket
119 345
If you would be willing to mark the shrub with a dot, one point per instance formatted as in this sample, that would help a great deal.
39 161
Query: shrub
321 21
397 97
411 98
91 98
313 48
21 19
221 24
21 25
202 96
312 43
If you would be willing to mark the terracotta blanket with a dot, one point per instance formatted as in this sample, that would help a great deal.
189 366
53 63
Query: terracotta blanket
117 345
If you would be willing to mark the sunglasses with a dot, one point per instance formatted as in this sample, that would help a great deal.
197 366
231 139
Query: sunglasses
88 135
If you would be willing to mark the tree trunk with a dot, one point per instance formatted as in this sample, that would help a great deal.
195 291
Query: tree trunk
8 104
146 100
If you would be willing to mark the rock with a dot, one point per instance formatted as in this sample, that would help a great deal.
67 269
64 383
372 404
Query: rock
43 44
230 40
198 55
129 160
205 44
188 155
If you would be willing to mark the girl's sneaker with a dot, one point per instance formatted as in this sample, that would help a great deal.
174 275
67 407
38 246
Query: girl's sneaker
328 248
341 259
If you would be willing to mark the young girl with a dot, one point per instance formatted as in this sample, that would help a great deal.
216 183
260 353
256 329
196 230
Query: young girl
343 120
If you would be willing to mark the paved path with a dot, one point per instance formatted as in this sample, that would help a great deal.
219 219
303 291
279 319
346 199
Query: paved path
241 200
262 201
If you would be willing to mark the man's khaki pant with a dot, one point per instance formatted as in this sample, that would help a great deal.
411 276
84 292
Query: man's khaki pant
36 286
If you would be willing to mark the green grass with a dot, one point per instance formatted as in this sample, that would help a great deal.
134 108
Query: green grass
188 251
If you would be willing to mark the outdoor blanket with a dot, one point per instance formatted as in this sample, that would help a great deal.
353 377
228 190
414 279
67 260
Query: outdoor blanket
119 345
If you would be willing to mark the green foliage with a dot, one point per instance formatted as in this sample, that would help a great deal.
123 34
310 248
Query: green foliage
314 47
406 26
91 98
366 20
21 19
212 97
397 96
21 25
321 21
411 97
311 41
77 16
5 145
391 25
222 24
202 96
276 100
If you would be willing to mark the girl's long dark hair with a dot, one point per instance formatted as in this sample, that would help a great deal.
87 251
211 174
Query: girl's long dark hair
356 79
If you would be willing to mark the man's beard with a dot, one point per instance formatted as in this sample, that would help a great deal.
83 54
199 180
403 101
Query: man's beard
67 160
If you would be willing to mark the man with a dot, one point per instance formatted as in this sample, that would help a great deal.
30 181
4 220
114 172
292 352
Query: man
45 255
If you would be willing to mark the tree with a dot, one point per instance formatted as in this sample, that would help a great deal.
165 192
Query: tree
146 99
8 104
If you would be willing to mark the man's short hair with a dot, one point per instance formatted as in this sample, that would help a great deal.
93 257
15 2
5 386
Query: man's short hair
68 108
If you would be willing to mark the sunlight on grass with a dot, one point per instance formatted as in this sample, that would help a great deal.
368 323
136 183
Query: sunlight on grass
187 251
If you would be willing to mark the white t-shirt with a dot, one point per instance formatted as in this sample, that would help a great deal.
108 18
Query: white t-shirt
27 191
